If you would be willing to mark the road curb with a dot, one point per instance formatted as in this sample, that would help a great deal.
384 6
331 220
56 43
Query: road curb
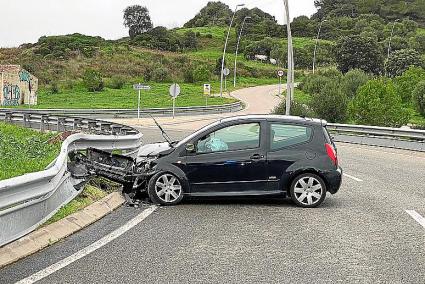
50 234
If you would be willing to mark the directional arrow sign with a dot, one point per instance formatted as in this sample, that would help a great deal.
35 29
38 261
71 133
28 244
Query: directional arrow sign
141 87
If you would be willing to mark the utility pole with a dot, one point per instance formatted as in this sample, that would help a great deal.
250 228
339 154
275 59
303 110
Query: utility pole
291 73
391 37
317 43
237 49
225 47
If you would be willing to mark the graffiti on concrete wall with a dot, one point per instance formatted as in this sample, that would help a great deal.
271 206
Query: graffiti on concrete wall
11 94
25 76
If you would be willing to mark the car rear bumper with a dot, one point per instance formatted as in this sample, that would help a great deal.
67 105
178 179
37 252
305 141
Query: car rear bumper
334 180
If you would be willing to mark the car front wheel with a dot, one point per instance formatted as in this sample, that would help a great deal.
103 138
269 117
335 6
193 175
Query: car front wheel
308 190
165 189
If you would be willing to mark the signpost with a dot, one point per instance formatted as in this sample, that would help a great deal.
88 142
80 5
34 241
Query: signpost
207 92
174 93
280 74
139 87
226 73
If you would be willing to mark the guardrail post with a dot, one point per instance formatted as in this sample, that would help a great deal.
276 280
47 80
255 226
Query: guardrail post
77 123
27 119
92 125
8 117
116 129
61 124
44 122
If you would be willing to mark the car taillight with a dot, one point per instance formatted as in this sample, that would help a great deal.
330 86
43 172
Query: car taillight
331 153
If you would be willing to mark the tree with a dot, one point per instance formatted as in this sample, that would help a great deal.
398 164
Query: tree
401 60
137 19
357 52
330 103
377 103
213 14
419 97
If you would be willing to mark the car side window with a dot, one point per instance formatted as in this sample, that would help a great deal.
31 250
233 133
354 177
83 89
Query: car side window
284 135
235 137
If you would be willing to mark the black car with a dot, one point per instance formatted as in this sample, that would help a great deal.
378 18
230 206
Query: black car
253 155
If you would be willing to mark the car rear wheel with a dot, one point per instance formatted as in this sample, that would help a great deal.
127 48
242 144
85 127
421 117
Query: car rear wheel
308 190
165 189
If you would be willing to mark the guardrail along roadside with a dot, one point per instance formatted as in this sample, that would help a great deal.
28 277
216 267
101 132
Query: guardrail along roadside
28 201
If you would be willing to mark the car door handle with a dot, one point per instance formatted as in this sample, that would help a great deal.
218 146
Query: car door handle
256 157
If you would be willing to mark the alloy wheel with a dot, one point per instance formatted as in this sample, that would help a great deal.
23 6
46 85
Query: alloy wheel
168 188
308 190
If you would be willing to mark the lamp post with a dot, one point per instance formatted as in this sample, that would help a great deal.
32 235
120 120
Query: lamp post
290 80
237 49
317 42
391 36
225 47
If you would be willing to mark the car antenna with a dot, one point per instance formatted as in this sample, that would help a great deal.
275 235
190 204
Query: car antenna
164 134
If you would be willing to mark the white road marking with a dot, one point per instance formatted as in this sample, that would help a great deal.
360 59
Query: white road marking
353 178
415 215
89 249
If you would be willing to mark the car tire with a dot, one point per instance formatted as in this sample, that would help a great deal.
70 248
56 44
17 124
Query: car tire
165 188
308 190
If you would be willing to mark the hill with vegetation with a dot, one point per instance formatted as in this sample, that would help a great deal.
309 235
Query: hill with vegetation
360 40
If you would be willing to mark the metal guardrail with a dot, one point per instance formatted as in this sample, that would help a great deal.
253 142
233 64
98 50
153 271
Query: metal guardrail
125 113
400 138
28 201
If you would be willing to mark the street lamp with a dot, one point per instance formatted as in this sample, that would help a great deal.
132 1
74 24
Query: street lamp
291 73
225 47
391 36
317 42
237 48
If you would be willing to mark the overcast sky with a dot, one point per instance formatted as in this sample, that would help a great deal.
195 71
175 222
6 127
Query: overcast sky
26 20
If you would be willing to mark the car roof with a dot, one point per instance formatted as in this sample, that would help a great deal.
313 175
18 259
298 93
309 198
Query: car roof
283 118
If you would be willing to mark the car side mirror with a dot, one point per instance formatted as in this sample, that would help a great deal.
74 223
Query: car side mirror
190 147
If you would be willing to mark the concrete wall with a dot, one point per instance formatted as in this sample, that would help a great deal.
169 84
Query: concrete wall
17 87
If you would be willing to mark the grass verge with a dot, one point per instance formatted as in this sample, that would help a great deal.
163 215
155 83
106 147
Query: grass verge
24 150
89 195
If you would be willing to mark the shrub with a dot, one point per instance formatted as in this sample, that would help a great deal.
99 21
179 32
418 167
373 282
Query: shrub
160 74
117 82
53 88
352 81
419 97
93 80
297 109
331 73
313 84
201 74
330 103
377 103
188 76
406 83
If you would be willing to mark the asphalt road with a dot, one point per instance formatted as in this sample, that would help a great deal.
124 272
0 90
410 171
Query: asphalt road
360 235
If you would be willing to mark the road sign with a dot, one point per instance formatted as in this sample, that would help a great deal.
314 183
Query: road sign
174 90
280 73
207 89
141 87
226 71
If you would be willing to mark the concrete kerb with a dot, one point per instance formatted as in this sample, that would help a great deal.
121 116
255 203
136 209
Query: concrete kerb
61 229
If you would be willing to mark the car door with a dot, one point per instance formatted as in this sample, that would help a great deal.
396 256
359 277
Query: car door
287 144
228 160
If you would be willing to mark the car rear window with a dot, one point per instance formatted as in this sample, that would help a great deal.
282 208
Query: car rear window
284 135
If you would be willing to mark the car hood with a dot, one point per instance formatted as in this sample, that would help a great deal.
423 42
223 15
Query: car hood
152 150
